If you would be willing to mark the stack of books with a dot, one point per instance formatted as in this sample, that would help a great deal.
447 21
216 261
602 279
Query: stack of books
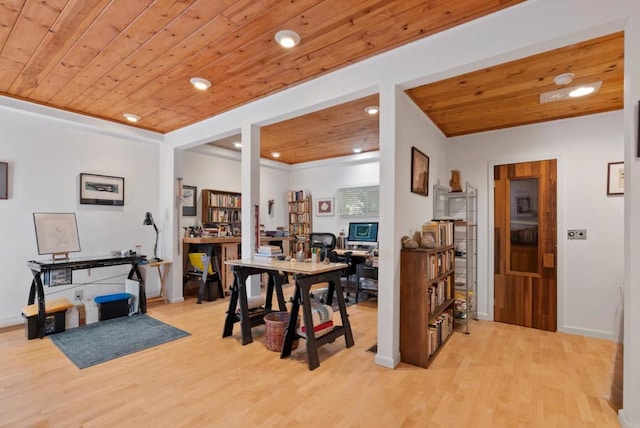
269 252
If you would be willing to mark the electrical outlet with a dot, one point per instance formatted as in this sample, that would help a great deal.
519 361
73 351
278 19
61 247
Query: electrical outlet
78 294
577 234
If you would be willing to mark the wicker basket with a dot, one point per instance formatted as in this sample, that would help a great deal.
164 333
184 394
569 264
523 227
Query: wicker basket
275 325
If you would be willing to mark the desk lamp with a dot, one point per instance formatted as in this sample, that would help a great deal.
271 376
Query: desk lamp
148 221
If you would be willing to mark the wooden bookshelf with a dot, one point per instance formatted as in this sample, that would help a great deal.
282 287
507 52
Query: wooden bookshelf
300 218
222 209
426 303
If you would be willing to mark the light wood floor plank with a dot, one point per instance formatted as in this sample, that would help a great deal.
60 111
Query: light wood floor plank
498 376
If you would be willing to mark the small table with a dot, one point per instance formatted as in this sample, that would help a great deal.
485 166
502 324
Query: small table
305 275
164 267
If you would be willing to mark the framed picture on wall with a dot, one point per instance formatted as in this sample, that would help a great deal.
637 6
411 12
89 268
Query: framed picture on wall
419 172
325 207
189 200
4 180
615 178
101 189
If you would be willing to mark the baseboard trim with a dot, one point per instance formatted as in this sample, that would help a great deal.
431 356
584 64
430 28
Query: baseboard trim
598 334
388 362
625 422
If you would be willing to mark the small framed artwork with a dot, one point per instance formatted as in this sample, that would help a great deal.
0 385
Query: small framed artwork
101 189
523 205
4 180
615 178
325 207
189 200
419 172
56 233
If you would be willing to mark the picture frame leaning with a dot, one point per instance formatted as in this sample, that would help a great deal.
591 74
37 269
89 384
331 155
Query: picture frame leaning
98 189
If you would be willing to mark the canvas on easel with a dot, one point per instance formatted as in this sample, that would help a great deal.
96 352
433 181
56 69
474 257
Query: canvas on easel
56 234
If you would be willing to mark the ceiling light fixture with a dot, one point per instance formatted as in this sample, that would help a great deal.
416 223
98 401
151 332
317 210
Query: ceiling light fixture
275 154
357 150
133 118
237 145
582 91
200 84
372 110
563 79
572 92
287 38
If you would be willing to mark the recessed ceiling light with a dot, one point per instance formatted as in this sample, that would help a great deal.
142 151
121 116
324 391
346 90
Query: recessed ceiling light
563 79
572 92
372 110
582 91
237 145
200 83
287 38
275 154
133 118
357 150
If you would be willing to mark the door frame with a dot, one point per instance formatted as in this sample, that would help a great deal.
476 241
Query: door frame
560 240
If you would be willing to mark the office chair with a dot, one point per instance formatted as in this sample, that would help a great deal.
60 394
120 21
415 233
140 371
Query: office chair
326 242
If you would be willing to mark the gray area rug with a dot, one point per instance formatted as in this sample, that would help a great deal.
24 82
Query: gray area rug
102 341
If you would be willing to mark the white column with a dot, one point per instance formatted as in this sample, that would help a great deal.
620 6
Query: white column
388 354
250 169
168 218
630 414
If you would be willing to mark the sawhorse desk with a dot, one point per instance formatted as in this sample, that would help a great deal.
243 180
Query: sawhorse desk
48 266
305 275
250 318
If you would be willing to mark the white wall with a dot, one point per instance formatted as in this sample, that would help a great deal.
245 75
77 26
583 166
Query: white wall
589 272
323 179
46 157
220 170
414 129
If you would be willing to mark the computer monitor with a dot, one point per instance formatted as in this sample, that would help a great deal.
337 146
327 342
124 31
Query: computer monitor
363 234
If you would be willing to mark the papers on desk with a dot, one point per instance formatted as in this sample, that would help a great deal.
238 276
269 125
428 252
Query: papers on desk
267 257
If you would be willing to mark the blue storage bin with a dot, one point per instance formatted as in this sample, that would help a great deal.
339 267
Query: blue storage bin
113 305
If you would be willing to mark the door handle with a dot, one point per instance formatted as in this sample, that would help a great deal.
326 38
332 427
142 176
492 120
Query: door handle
549 260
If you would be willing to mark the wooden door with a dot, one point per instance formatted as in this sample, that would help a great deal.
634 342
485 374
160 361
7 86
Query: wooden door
525 244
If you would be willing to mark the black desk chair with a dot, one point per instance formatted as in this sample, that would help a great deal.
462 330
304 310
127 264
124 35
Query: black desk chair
326 242
203 268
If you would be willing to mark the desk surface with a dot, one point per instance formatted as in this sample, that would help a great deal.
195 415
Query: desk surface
306 268
231 239
357 253
85 262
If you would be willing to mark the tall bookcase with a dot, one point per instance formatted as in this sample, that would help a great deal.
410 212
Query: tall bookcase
426 303
220 208
462 208
300 217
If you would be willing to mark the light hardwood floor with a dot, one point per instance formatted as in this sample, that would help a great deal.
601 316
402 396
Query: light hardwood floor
498 376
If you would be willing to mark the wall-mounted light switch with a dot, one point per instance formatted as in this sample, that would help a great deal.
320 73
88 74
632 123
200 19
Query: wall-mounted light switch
577 234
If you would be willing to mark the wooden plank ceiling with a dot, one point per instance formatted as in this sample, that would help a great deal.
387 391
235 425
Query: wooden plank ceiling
106 57
508 94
